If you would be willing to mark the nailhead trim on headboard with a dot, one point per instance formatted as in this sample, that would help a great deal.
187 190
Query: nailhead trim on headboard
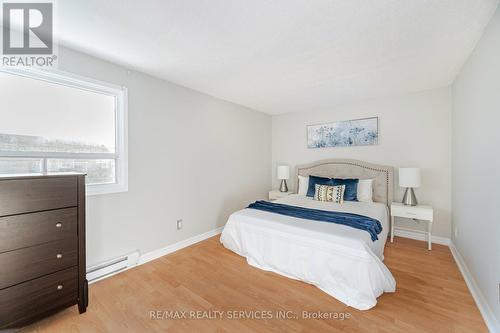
387 170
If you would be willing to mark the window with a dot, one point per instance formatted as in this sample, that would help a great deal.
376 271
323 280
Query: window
56 122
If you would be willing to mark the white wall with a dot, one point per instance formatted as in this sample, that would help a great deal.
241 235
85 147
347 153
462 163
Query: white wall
415 131
476 164
191 156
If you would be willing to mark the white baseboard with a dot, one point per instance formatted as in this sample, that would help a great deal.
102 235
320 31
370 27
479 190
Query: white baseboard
481 303
476 293
484 308
146 257
421 237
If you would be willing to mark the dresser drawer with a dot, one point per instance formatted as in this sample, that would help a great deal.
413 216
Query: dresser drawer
24 302
36 228
33 262
20 196
420 213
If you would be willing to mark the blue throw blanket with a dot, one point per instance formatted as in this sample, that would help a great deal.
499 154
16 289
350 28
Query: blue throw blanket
372 226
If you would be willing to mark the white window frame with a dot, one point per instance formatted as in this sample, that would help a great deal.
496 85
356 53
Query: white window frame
120 94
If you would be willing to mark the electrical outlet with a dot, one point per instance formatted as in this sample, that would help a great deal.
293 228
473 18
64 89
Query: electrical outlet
179 224
456 232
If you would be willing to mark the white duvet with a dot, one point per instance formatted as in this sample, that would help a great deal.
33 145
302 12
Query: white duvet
342 261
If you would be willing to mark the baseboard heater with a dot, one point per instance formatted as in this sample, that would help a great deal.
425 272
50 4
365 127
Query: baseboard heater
112 267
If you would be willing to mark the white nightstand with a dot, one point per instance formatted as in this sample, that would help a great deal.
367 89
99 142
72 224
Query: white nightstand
423 213
275 194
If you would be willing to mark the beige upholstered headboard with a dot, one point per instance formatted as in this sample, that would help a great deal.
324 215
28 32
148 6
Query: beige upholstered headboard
339 168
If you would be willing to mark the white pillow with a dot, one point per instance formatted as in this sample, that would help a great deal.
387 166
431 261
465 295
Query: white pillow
303 185
365 190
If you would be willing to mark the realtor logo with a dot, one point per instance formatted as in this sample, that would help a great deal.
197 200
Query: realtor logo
27 30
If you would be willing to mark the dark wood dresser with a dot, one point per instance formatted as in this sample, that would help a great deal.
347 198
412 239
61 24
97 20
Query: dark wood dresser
42 246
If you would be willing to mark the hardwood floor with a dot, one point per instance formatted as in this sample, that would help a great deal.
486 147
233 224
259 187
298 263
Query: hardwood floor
431 296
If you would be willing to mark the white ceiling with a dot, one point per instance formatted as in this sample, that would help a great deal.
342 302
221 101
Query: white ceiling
281 56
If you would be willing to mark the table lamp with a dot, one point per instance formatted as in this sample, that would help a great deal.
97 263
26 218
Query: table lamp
283 175
409 178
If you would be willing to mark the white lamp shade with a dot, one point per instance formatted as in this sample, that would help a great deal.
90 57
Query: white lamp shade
283 172
409 177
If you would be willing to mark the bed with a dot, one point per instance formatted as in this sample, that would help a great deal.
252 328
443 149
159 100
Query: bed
342 261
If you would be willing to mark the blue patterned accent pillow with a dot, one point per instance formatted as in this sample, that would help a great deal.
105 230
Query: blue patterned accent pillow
330 193
351 188
313 180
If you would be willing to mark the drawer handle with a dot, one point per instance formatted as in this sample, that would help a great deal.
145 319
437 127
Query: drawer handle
59 287
59 256
58 225
410 213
